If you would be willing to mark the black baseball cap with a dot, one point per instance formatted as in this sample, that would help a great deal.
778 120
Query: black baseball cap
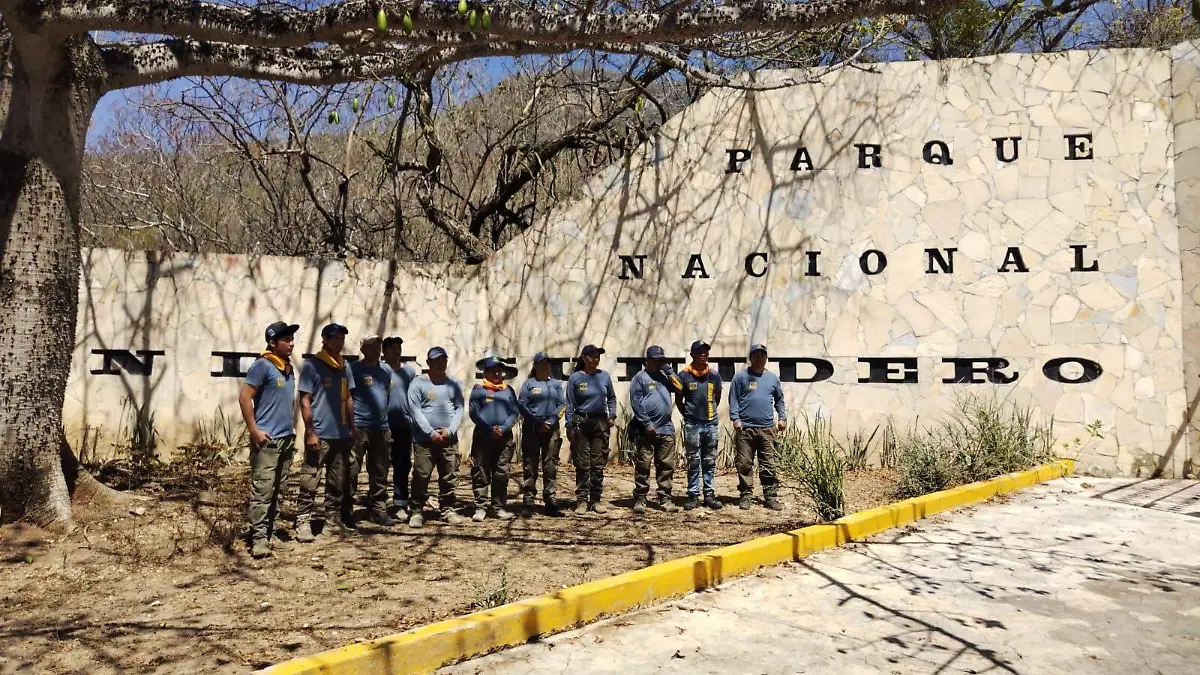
541 356
655 352
591 350
758 348
392 340
489 362
333 329
700 346
436 352
281 329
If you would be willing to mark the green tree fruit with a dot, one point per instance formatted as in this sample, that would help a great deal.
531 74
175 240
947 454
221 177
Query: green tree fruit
487 19
354 104
381 20
336 117
408 23
462 7
471 19
391 100
331 117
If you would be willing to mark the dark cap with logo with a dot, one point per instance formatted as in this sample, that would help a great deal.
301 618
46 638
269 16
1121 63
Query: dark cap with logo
655 352
334 329
281 329
489 362
541 356
700 346
591 350
436 353
758 348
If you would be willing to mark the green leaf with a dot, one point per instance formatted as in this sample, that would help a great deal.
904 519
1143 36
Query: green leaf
381 20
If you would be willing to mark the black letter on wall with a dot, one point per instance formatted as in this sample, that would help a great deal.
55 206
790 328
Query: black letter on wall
787 369
935 255
1077 144
142 364
1013 257
1000 148
231 364
632 266
750 264
695 264
1079 266
880 261
801 158
942 156
1053 370
972 371
737 157
881 371
812 263
868 151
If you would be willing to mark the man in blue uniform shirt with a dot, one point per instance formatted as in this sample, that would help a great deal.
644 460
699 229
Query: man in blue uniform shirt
699 402
267 400
755 399
651 394
328 412
372 388
591 413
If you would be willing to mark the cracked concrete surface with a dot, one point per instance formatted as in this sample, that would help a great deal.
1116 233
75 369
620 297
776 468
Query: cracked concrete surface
1060 578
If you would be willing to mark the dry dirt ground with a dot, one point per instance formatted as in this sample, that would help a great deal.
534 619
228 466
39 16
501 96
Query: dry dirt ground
156 593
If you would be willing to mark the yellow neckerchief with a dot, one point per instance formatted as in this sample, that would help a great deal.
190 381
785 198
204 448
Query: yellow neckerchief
697 373
492 387
284 367
337 363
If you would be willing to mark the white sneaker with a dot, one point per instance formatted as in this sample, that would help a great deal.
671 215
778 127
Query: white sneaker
480 514
416 520
503 513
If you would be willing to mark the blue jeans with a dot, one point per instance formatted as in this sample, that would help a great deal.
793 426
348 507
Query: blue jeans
700 445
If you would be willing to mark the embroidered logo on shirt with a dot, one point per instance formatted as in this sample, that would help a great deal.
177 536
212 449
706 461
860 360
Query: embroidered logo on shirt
489 398
653 385
430 395
279 382
368 380
753 386
691 386
583 386
535 390
328 382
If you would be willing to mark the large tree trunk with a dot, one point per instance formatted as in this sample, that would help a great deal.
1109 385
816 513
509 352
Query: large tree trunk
52 92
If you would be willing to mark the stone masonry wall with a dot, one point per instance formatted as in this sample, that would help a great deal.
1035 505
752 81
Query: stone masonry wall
801 217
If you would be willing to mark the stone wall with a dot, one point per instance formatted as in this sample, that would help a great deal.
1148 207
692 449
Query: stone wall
1014 213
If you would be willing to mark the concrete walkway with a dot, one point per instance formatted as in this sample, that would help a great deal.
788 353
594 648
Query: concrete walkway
1081 575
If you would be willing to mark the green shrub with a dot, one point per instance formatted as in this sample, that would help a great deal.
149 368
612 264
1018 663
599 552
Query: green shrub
809 457
857 448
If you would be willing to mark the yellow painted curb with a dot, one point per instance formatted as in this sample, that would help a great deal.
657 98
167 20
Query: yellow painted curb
425 649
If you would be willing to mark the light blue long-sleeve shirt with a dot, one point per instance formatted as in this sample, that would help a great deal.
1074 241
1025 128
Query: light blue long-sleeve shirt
593 394
652 398
754 400
435 406
542 400
494 408
398 413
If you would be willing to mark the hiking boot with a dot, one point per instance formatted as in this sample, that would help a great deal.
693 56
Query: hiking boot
451 517
639 506
503 513
667 504
416 520
304 532
690 504
713 503
261 548
552 508
744 503
340 528
480 514
599 507
581 508
382 519
527 509
773 504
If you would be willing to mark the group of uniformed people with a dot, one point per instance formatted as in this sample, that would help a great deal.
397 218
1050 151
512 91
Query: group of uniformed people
382 410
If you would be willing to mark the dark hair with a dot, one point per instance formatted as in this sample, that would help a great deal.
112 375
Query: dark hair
391 340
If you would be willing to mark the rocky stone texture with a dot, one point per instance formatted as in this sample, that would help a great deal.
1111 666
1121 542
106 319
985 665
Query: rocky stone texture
560 286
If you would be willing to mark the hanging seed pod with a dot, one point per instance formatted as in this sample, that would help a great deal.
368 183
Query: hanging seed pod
471 19
462 7
408 23
335 117
354 104
391 100
381 20
487 19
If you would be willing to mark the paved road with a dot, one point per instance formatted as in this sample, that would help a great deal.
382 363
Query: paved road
1080 575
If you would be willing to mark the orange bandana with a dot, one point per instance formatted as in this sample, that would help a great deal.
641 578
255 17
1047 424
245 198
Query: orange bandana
697 373
492 387
284 367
